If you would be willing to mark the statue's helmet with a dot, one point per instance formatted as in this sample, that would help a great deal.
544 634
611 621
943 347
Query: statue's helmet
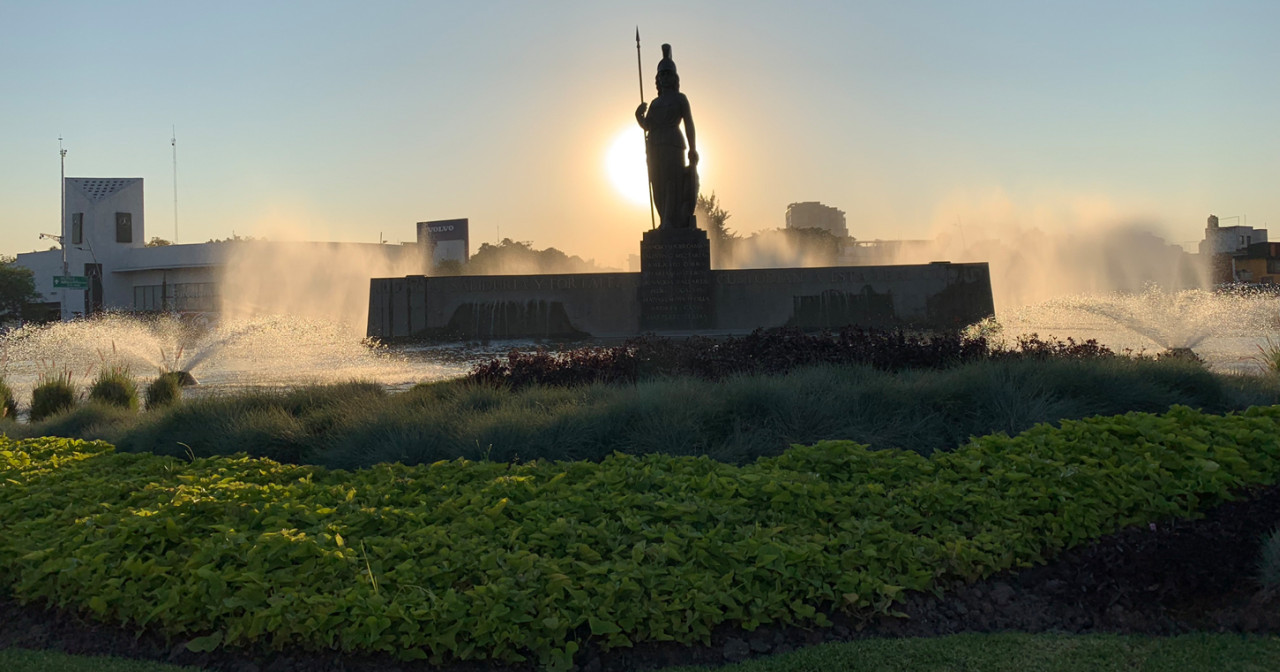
666 64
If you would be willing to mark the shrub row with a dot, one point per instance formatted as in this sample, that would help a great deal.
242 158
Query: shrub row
765 351
56 393
736 420
479 560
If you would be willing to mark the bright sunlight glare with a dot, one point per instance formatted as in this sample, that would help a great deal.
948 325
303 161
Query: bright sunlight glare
626 165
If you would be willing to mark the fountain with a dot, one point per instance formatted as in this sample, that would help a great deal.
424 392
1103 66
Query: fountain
1225 329
258 352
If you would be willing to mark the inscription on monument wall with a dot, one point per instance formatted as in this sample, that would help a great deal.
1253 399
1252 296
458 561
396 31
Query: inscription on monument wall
675 280
824 276
522 283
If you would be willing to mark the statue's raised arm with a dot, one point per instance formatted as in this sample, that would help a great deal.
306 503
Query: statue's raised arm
675 183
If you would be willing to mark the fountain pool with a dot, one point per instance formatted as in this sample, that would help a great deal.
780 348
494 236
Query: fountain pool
262 352
1224 329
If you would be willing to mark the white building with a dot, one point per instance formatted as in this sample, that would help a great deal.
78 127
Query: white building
104 224
1229 239
105 237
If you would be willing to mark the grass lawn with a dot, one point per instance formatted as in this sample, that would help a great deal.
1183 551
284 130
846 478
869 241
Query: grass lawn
1028 653
970 652
22 660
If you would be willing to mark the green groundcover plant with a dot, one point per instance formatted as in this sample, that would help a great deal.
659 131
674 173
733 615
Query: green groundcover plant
483 560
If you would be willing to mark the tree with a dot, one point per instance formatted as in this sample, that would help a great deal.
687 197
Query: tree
782 248
157 241
235 238
721 237
448 267
17 288
819 246
511 257
716 217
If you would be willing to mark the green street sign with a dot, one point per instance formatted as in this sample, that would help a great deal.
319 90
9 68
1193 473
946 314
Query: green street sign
71 281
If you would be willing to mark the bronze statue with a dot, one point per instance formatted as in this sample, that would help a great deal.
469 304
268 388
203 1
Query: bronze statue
675 185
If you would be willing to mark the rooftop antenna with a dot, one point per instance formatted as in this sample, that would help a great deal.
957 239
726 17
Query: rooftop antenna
62 153
173 141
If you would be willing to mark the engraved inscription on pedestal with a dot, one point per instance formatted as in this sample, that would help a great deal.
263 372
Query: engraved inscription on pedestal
675 280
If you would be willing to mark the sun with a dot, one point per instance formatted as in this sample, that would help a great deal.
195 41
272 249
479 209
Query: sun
625 163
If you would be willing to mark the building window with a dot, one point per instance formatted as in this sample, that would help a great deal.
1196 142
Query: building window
124 227
77 228
181 296
148 297
195 296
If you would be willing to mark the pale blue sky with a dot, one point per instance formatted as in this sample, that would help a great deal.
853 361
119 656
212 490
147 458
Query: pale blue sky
344 121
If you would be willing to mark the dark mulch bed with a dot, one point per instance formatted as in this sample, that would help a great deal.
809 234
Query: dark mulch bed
1174 577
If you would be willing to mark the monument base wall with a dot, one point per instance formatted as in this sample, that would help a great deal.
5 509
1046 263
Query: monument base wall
937 296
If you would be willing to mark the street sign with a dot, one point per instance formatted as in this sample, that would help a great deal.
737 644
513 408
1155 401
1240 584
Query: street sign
71 282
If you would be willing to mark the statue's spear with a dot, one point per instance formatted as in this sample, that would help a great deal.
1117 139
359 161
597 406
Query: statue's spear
639 67
640 73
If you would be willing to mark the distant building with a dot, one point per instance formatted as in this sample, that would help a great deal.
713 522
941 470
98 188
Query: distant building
1229 239
814 215
105 225
1260 263
109 267
1240 254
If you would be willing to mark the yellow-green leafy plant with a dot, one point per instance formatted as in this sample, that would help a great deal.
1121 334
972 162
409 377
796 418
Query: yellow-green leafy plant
461 560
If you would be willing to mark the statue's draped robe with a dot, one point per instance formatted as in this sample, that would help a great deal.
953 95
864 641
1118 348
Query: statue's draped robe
666 154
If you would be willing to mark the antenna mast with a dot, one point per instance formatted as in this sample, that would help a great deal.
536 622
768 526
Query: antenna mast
62 153
173 140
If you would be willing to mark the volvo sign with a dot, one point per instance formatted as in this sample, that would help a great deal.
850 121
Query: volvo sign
445 240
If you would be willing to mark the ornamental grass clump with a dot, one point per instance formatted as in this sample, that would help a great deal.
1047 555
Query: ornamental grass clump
115 386
53 394
8 405
165 390
1269 355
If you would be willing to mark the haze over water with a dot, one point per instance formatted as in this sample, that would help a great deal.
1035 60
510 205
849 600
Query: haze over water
256 352
1226 329
280 352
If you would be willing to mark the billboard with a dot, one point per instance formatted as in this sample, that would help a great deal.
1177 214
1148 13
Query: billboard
445 240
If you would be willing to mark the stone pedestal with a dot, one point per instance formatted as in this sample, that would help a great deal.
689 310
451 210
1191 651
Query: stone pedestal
675 280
